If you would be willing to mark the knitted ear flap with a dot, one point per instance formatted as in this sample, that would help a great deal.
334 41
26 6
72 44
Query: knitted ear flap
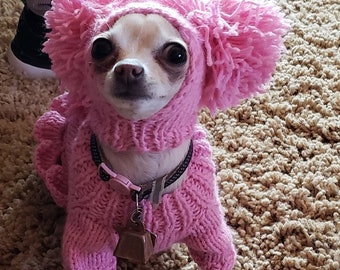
243 41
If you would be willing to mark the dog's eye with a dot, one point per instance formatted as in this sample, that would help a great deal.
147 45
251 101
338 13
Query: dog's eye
101 48
175 54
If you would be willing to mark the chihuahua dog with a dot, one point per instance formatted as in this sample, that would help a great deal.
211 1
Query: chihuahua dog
151 196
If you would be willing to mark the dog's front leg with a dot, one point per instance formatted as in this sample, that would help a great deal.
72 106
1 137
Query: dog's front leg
88 245
211 243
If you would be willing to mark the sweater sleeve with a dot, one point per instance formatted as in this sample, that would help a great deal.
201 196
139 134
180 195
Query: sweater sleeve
48 133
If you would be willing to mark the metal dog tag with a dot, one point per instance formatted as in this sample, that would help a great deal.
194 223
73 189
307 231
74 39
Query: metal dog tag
135 243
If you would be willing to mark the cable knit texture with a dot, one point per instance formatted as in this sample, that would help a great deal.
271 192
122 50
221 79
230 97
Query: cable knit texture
233 47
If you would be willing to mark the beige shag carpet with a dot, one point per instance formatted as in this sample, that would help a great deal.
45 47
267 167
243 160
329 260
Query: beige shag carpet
278 158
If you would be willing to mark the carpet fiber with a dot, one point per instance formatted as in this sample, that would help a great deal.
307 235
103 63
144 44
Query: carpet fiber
277 155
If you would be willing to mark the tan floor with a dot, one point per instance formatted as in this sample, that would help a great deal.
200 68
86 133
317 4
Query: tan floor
278 158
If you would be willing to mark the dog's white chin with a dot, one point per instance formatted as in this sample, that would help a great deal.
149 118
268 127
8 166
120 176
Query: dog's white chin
138 109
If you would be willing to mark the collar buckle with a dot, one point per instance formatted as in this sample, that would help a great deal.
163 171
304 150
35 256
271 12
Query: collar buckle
120 183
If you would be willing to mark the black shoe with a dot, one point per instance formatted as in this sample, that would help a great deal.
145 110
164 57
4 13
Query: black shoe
25 53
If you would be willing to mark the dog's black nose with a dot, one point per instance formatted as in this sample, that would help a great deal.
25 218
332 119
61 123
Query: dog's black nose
129 73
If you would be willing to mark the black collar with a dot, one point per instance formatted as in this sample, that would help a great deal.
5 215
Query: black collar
144 193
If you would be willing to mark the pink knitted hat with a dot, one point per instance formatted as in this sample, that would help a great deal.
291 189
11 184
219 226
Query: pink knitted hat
233 47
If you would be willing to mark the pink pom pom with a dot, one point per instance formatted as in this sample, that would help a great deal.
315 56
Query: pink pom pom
243 41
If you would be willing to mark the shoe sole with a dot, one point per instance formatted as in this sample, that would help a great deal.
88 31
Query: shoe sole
28 70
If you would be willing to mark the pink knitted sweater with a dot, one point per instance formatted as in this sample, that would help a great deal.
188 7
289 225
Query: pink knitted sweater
233 47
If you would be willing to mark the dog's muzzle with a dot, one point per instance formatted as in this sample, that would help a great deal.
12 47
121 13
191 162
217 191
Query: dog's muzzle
129 80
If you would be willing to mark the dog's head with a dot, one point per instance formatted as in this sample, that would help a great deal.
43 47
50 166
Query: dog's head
141 63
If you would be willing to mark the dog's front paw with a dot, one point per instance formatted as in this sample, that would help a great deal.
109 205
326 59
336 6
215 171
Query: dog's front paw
88 245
